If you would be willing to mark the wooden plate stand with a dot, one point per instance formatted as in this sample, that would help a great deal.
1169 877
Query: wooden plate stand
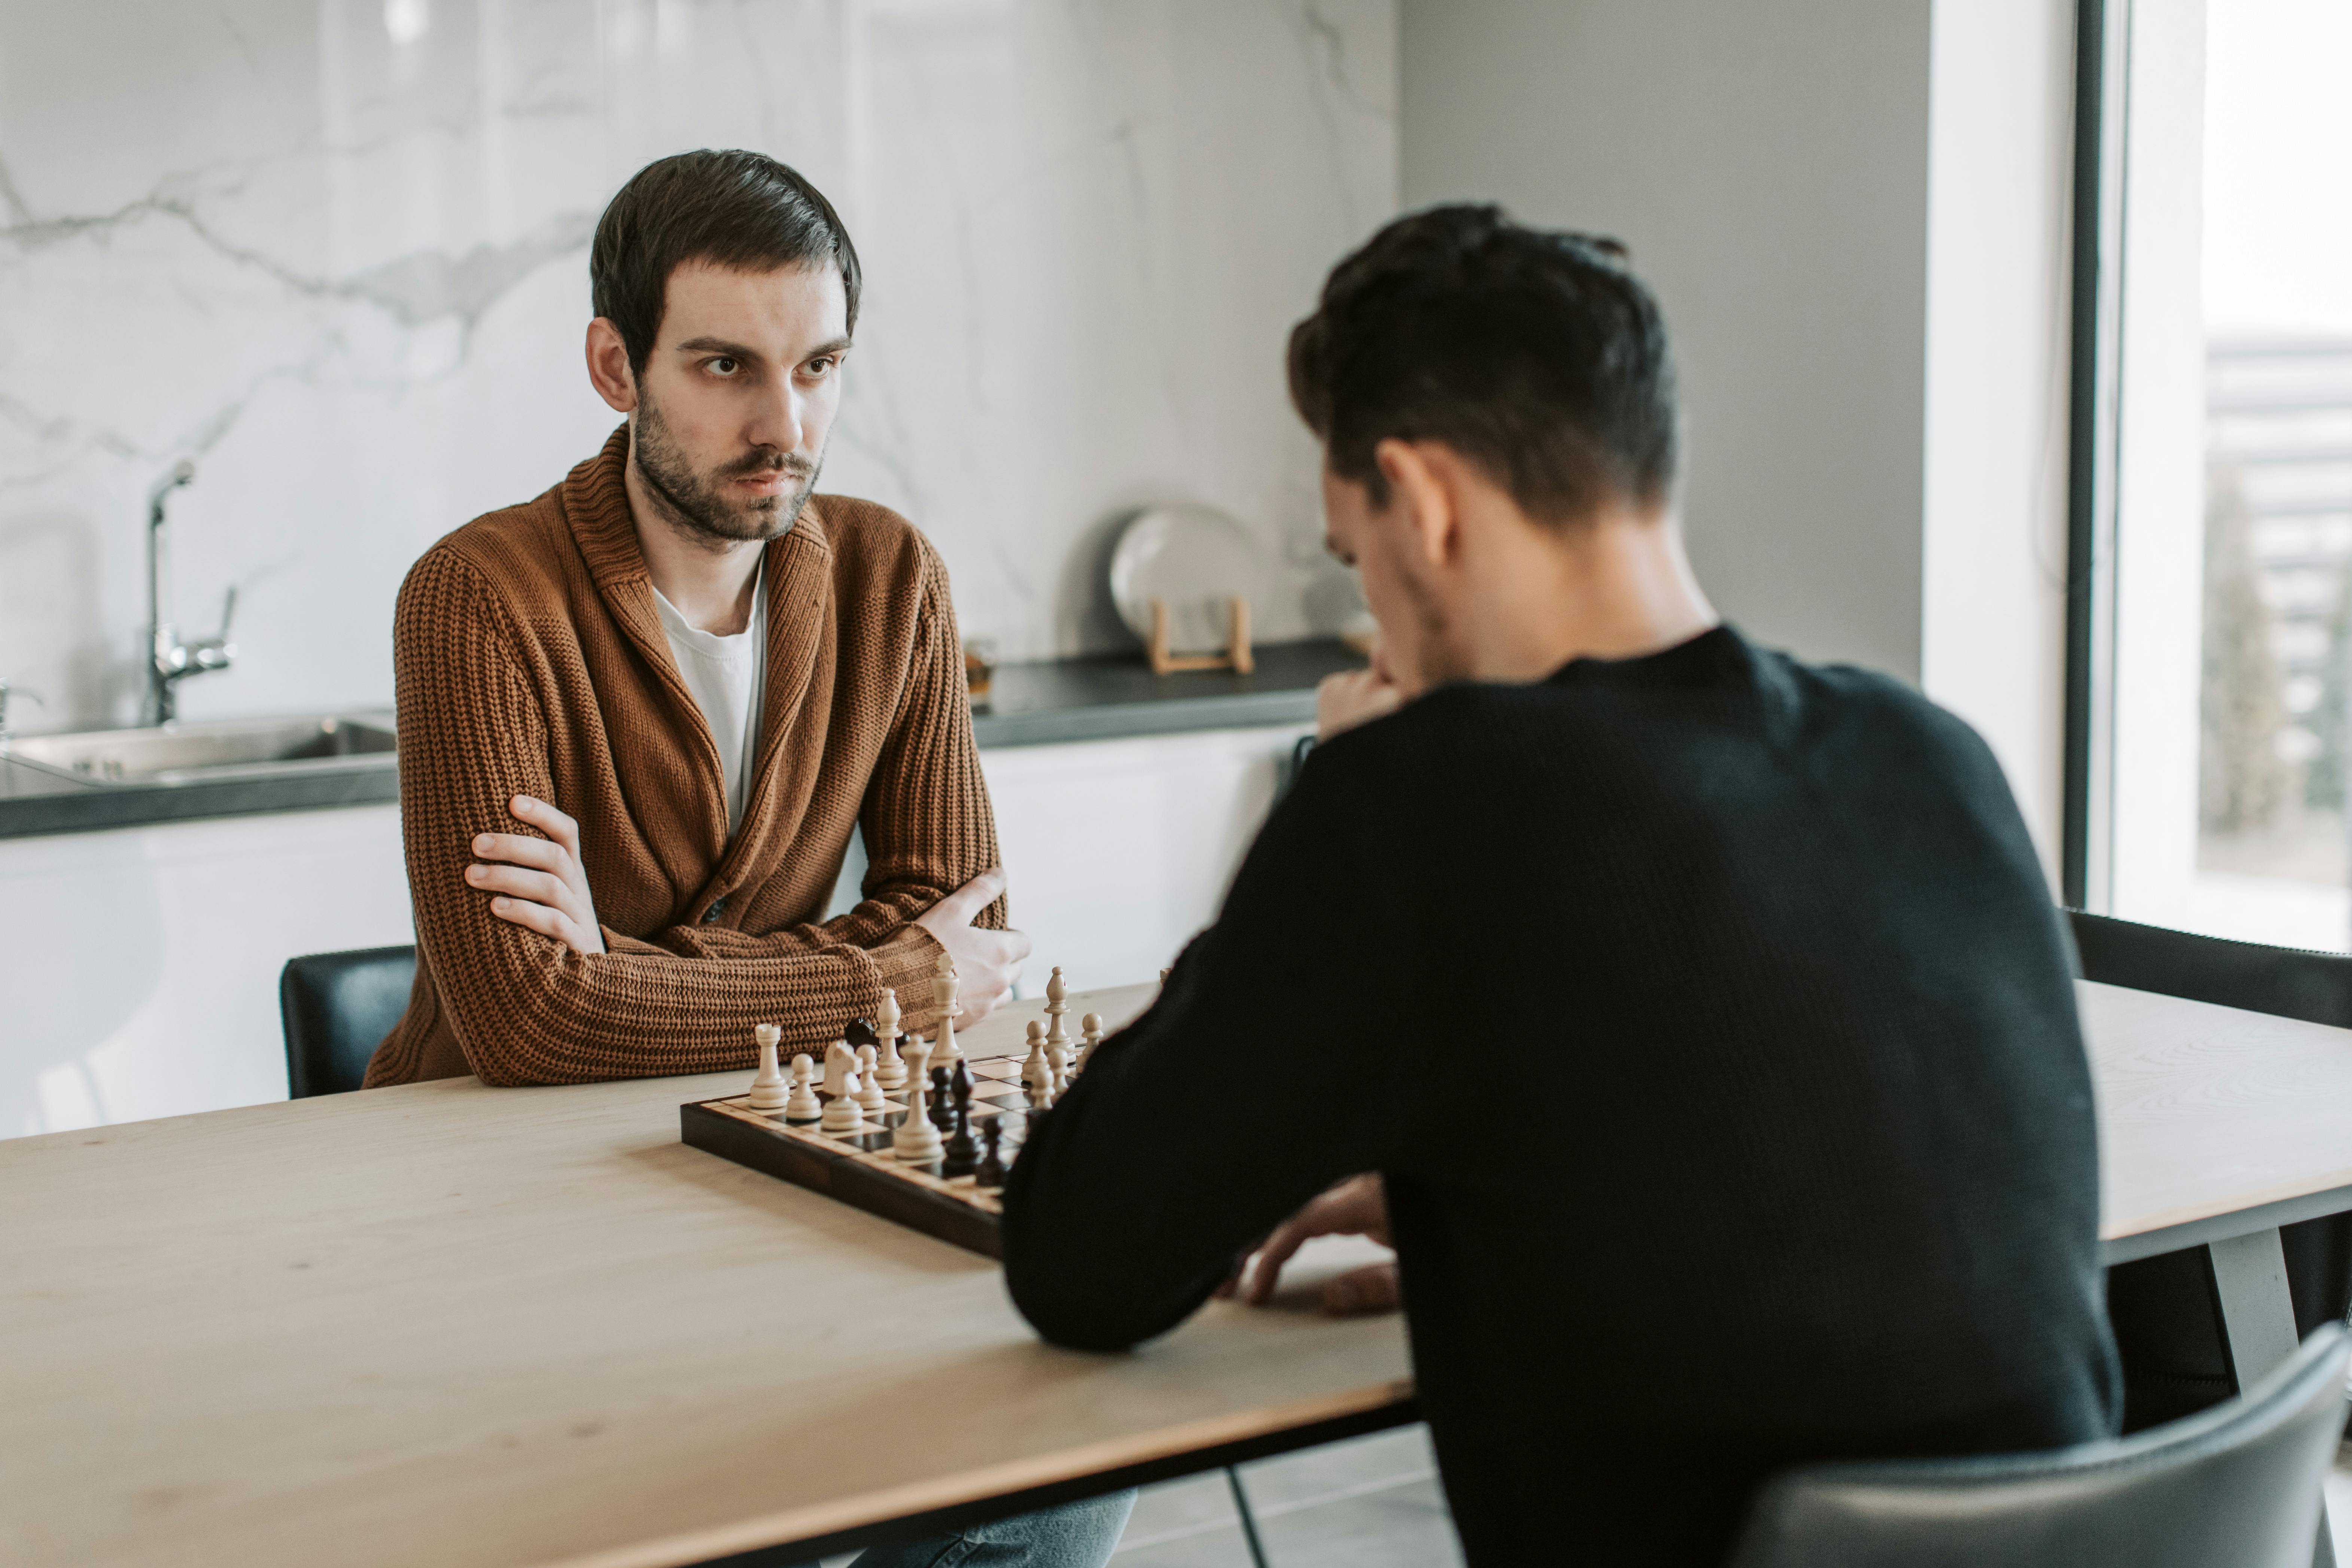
1236 658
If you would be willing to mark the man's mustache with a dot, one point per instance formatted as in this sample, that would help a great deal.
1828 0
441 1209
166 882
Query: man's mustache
764 462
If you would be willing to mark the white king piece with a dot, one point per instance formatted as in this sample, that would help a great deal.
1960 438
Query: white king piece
944 986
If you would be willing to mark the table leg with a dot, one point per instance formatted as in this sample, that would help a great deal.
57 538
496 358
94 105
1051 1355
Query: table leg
2258 1317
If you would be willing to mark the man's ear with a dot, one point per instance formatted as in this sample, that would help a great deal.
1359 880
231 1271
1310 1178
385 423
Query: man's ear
608 366
1421 481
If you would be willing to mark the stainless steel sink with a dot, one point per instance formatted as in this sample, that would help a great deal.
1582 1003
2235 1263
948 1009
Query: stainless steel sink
201 753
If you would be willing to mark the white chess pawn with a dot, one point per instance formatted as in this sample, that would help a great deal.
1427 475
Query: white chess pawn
1057 1003
1092 1025
803 1104
890 1069
843 1116
917 1141
945 1053
869 1091
767 1095
1037 1071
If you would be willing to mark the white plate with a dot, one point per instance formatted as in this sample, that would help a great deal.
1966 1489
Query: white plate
1194 558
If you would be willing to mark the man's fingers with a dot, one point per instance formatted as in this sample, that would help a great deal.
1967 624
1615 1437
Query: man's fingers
1375 1288
1279 1248
537 886
1016 945
959 907
539 853
547 820
531 917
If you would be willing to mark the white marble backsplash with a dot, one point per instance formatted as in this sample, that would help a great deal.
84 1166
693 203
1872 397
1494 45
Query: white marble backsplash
335 250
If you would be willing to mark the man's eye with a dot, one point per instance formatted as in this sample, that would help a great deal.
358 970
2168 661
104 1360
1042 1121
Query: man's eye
823 366
722 366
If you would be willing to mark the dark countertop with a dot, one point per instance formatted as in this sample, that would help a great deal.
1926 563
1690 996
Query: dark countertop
1102 698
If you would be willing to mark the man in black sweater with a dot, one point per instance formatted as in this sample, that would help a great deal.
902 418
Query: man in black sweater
1696 1021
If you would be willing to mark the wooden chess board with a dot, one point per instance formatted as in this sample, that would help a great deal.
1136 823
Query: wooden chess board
859 1169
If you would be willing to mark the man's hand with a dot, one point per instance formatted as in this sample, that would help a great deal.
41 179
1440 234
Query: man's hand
1355 697
1357 1206
542 887
987 961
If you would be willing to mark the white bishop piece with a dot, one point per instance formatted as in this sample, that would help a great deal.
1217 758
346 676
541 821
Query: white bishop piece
767 1095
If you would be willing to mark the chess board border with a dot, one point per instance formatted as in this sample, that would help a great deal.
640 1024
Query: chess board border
843 1175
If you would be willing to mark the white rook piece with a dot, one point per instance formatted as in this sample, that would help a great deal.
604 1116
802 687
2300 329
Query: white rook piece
917 1141
1057 1003
767 1095
945 1053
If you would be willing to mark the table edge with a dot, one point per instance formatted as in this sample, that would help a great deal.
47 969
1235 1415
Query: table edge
1119 1461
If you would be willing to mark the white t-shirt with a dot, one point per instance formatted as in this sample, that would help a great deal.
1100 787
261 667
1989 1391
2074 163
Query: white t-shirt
729 678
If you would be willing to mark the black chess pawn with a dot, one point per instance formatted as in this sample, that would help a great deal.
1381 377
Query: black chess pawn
942 1110
992 1169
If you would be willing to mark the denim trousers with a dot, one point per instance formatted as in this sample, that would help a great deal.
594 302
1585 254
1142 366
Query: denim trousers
1075 1535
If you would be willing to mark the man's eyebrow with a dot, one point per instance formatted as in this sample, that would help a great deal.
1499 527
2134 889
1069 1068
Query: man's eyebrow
717 346
838 346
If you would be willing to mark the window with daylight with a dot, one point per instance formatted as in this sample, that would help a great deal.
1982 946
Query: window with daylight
2213 492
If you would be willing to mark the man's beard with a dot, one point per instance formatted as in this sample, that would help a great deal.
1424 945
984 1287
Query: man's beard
700 502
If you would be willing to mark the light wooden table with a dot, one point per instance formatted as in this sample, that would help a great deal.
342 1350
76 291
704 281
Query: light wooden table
450 1325
2216 1127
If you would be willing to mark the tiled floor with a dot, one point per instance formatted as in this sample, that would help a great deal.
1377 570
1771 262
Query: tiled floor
1369 1503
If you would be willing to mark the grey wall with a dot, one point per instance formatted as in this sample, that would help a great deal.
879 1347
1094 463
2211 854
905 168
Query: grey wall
1767 162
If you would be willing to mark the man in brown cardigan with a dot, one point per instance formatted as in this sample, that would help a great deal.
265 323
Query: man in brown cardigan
641 716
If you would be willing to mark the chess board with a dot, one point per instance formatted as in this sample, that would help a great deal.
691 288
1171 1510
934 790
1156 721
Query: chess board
858 1168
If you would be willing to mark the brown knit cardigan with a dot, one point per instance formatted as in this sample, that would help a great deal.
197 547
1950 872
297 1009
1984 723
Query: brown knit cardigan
528 660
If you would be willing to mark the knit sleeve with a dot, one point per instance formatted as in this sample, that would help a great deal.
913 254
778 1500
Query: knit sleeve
926 820
525 1009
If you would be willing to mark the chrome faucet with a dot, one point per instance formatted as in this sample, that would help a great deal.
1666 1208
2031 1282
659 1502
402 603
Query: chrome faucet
7 691
168 660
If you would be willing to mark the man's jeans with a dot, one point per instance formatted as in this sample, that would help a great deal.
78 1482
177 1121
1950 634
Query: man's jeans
1075 1535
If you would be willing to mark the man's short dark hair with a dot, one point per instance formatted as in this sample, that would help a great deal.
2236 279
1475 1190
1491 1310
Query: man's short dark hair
1535 355
742 210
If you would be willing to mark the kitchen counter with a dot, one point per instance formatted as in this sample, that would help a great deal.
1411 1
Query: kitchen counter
1101 697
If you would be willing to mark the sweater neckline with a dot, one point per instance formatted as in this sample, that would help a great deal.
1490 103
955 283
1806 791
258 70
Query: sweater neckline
1714 654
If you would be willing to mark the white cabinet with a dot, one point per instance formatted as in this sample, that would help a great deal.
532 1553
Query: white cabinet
139 967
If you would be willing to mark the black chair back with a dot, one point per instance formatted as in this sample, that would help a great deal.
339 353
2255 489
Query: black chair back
338 1007
2284 982
2167 1320
2238 1485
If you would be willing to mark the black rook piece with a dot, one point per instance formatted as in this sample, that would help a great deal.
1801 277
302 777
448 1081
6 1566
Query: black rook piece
992 1169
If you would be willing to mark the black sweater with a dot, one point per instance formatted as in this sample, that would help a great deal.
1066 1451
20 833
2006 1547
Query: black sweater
1709 1017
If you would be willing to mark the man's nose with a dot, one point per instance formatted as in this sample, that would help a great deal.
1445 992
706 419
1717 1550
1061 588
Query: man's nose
777 420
